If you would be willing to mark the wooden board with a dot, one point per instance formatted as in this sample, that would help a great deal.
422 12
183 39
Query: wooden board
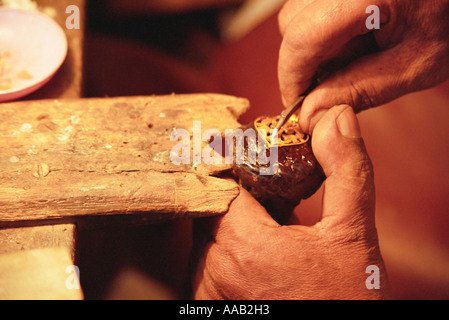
30 238
64 160
41 274
67 83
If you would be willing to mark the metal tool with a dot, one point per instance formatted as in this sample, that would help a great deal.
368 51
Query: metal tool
288 112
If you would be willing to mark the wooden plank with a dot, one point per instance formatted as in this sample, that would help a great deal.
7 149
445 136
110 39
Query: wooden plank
41 274
52 236
63 160
67 83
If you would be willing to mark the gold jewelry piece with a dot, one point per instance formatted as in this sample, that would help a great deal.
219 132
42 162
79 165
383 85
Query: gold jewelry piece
289 135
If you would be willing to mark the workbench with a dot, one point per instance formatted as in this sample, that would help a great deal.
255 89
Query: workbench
69 163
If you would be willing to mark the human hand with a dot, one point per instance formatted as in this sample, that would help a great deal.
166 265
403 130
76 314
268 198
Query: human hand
412 52
247 255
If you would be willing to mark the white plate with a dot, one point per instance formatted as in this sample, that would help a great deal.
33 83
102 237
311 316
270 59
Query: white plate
32 48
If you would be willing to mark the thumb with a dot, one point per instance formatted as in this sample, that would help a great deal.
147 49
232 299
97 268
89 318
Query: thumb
348 197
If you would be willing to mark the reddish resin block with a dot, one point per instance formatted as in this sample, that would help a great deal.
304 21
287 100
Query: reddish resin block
297 176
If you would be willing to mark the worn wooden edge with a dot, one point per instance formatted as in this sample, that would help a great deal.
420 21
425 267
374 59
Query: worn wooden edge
39 274
237 105
29 238
139 211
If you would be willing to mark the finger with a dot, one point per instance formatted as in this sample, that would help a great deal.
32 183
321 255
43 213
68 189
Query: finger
289 10
314 36
368 82
245 215
349 187
244 212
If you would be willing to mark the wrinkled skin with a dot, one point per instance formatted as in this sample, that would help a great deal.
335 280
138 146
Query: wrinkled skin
410 52
245 254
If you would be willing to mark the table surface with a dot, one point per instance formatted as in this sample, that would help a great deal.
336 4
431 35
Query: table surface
33 260
69 159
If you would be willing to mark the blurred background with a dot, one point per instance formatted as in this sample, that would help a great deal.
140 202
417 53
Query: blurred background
231 47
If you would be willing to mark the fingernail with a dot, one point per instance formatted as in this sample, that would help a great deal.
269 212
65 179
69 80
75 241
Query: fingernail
348 124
